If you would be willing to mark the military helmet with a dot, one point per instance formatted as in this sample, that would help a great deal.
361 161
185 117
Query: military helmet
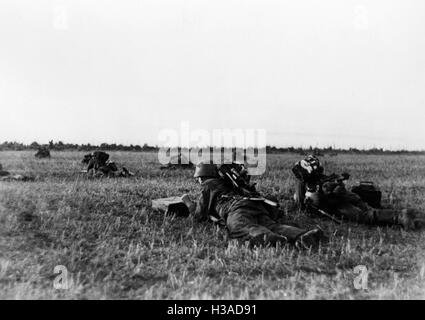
308 169
206 170
311 163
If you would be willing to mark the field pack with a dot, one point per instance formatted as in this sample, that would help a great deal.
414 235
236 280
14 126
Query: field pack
369 193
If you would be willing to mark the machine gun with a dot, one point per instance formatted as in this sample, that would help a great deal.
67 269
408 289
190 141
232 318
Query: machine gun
312 200
237 175
338 178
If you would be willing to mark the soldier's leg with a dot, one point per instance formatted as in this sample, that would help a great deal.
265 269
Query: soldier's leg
348 206
380 217
289 232
302 237
349 212
354 199
243 225
406 218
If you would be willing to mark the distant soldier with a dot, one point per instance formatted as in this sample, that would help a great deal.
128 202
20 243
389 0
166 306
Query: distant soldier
16 177
98 164
43 152
178 162
95 160
110 169
6 176
228 199
327 195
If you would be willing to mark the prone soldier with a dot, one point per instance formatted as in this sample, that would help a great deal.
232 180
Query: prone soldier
227 198
98 164
327 195
7 176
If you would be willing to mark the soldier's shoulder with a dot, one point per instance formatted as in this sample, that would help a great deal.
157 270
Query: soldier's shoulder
214 183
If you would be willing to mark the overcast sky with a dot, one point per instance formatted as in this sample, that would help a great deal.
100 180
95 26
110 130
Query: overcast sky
328 72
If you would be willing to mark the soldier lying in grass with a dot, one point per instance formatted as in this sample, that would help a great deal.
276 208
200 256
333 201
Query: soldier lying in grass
244 212
7 176
43 152
327 195
99 165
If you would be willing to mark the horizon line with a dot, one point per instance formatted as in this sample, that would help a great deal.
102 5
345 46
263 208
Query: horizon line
312 148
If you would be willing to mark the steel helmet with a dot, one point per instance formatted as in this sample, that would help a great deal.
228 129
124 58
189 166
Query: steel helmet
206 170
311 164
308 169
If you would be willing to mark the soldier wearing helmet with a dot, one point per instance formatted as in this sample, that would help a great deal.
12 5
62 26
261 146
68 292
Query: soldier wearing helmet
99 164
95 160
320 193
246 218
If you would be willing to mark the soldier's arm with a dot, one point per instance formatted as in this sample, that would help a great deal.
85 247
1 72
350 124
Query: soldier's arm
275 212
191 205
90 164
201 209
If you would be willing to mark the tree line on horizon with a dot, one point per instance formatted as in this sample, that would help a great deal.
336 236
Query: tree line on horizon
61 146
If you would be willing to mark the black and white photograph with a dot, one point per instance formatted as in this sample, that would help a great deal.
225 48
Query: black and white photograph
219 152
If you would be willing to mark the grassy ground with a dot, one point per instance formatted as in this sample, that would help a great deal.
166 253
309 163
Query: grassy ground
106 235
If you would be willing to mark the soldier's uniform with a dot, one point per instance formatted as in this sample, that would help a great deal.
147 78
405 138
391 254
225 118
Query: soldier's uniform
6 176
110 169
96 160
43 152
335 199
99 163
247 219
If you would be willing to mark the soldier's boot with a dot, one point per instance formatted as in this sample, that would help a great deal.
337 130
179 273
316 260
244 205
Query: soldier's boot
311 238
290 232
126 172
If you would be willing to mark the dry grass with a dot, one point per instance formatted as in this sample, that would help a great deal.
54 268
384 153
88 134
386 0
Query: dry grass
114 246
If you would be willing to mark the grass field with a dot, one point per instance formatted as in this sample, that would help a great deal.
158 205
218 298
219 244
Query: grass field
115 247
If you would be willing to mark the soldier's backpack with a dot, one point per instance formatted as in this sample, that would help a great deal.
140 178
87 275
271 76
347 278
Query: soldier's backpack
369 193
237 175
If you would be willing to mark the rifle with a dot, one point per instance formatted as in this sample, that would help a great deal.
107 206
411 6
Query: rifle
329 216
339 179
335 177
